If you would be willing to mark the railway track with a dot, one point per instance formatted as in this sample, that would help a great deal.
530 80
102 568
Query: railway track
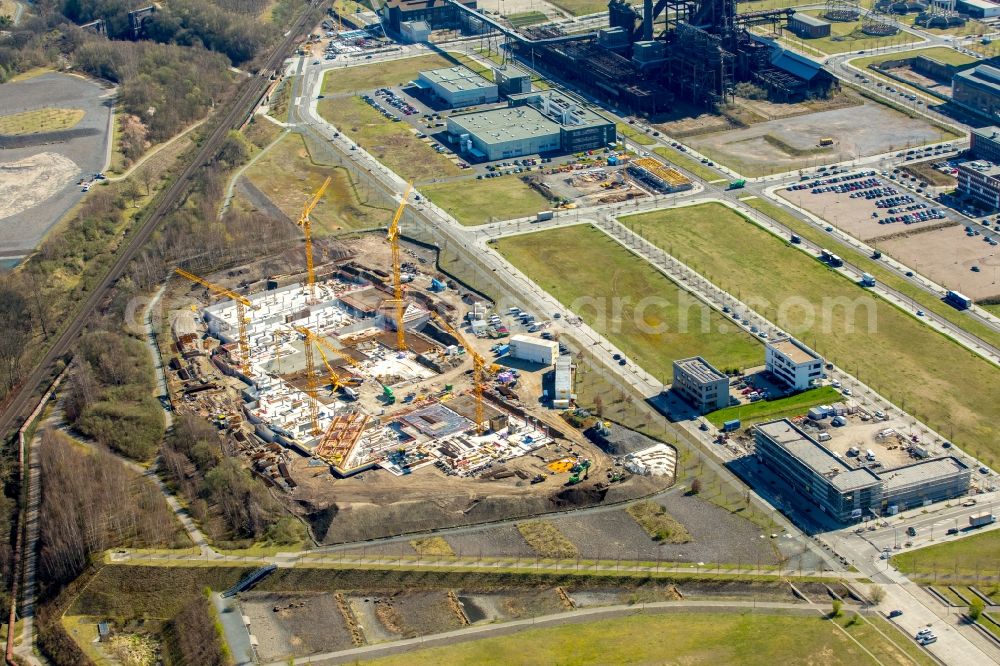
239 109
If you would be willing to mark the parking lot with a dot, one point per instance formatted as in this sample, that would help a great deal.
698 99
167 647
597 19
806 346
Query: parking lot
948 257
870 205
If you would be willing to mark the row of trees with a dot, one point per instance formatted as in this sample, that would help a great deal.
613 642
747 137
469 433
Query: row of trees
92 502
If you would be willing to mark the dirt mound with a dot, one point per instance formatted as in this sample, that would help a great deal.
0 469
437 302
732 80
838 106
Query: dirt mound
28 182
578 496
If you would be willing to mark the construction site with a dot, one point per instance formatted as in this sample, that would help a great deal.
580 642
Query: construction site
356 368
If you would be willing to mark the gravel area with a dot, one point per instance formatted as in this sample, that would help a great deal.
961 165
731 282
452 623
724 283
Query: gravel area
87 150
304 624
718 536
498 541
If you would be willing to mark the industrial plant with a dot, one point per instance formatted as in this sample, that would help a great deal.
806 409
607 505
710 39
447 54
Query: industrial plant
651 59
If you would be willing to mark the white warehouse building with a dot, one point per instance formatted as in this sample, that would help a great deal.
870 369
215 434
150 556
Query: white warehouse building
793 364
458 86
536 350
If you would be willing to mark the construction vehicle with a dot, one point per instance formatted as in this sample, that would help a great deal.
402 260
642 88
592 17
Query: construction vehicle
242 303
539 478
397 279
306 225
478 371
388 395
737 184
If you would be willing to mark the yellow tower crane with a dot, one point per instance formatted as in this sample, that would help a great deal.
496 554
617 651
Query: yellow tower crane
242 303
312 387
306 225
397 280
478 371
314 338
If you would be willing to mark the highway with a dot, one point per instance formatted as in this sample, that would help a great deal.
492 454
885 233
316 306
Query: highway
21 399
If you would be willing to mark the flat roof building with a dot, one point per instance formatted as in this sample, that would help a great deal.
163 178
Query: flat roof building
793 364
978 88
535 122
535 350
511 80
984 143
981 181
807 26
701 385
438 13
978 8
503 133
845 492
459 86
925 482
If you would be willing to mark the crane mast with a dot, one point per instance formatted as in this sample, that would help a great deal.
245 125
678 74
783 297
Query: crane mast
478 372
242 303
397 279
306 225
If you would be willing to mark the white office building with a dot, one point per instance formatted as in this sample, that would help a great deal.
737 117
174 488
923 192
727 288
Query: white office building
536 350
458 86
793 364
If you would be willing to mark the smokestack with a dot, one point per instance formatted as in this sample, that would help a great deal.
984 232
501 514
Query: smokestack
647 20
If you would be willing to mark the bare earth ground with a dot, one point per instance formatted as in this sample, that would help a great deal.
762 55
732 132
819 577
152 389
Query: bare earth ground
315 626
947 255
855 215
792 143
30 181
378 504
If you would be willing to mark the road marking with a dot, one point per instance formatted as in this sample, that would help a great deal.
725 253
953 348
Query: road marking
718 180
752 196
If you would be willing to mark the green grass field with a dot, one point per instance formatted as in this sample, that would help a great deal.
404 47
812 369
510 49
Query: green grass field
942 54
40 120
389 73
927 301
920 370
635 135
527 18
474 201
793 405
391 143
581 7
691 639
975 554
846 37
642 312
690 164
288 176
